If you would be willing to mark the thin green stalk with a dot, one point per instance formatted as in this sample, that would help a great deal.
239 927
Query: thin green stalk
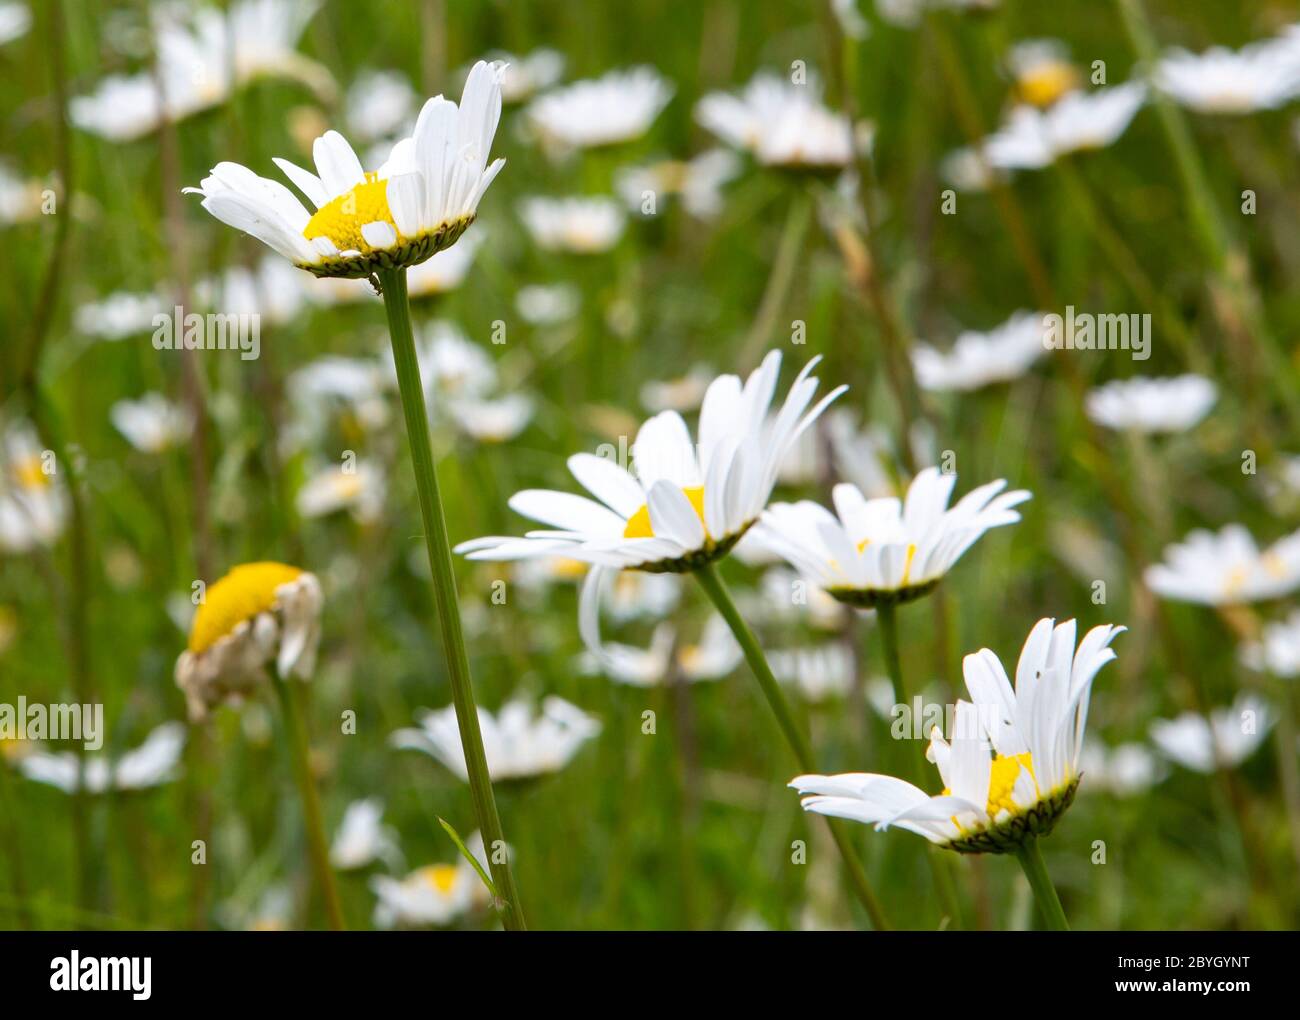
299 753
396 304
887 619
711 581
782 275
1031 860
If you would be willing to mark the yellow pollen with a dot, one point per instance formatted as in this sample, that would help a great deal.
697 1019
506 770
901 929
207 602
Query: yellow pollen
1002 780
638 525
341 219
440 877
247 590
1047 83
30 473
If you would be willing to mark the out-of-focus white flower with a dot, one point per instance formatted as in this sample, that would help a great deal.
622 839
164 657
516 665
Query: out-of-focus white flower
257 615
1033 138
1225 740
202 59
1125 770
492 420
522 77
618 107
1143 404
20 199
420 201
436 894
379 104
33 499
908 13
819 672
1278 649
333 383
518 743
698 181
121 315
967 169
715 656
635 595
861 456
1227 568
780 123
1261 76
683 394
1042 71
887 550
852 23
582 226
152 424
786 596
541 305
15 21
153 763
444 271
995 797
452 366
978 359
273 291
363 838
358 487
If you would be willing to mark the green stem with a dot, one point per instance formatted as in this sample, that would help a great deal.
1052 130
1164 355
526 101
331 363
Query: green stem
316 846
393 283
887 618
778 283
1031 860
711 581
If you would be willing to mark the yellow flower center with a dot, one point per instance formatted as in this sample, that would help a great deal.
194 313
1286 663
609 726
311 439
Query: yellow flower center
341 219
638 525
440 877
1002 780
240 595
1047 83
347 485
30 473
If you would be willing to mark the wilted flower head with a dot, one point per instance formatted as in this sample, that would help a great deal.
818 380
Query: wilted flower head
780 123
417 203
259 615
1224 740
518 743
1012 766
618 107
885 550
1142 404
1226 568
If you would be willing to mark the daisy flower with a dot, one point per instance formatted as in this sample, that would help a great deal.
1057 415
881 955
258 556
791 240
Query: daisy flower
436 894
679 508
780 123
33 500
1032 138
495 420
379 104
1226 568
1012 766
697 181
886 551
542 305
978 359
357 487
618 107
581 226
819 673
1142 404
1126 770
713 657
519 743
1042 71
120 315
1278 649
452 366
363 838
153 763
258 615
417 203
151 424
1261 76
1224 740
